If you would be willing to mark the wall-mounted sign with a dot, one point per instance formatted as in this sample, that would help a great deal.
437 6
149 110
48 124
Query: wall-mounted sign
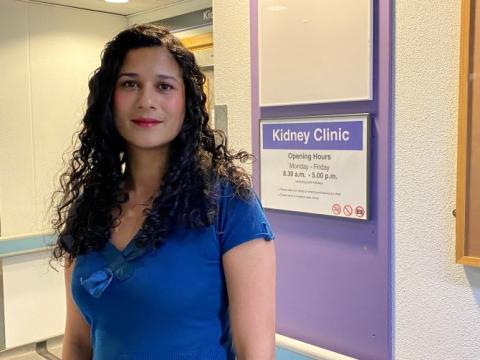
316 165
188 21
332 59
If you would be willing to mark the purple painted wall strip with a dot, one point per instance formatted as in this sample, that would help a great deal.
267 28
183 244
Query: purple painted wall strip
334 275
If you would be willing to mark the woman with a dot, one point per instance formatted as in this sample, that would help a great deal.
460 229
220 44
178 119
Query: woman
164 240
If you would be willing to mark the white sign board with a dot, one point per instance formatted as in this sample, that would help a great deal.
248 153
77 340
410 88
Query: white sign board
313 52
316 165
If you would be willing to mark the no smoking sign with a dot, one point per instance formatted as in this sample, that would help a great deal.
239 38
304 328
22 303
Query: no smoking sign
348 211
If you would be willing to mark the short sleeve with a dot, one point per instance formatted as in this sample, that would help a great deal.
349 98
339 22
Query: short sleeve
240 220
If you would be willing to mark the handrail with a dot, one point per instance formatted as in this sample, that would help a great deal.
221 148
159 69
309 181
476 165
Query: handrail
24 236
308 350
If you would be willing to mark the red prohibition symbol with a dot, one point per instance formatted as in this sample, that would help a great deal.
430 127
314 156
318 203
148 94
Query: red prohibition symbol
336 209
359 211
347 210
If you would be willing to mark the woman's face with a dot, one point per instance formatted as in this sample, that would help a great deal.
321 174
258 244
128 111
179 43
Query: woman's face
149 98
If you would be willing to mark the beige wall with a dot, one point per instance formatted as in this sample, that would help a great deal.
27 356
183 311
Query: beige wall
437 303
231 32
47 54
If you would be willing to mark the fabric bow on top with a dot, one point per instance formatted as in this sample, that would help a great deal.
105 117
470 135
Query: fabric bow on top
97 282
120 268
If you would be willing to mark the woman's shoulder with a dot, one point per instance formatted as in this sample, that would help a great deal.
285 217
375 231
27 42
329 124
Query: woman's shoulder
235 202
227 189
241 217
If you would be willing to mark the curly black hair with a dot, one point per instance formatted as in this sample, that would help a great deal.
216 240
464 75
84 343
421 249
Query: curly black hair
199 159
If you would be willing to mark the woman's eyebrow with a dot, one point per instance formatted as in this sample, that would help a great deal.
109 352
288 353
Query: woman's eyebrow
160 76
167 77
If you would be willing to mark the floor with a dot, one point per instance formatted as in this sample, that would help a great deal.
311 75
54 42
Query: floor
28 352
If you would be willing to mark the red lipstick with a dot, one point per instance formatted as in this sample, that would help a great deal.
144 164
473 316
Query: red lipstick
146 122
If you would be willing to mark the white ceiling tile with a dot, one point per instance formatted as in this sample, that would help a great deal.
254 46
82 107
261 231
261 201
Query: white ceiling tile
130 8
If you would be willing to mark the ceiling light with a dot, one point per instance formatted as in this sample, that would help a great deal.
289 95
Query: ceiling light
117 1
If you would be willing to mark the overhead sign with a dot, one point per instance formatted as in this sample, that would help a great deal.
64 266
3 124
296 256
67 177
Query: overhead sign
316 165
188 21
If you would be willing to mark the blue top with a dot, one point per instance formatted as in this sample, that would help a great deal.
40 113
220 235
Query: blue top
171 302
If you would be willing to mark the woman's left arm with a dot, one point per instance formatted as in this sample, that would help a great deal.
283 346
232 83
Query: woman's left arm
250 276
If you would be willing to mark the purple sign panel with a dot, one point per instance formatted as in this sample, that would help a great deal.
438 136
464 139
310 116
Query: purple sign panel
336 135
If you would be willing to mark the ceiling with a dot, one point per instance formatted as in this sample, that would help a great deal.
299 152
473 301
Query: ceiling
130 8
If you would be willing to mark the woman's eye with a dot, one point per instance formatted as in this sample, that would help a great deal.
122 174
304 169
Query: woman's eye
165 86
128 84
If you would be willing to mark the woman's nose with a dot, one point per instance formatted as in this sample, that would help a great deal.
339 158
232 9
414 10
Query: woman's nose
146 98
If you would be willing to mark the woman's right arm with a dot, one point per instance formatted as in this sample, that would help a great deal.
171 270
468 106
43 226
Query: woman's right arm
76 341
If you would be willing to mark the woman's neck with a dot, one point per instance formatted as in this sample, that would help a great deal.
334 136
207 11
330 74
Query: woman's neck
145 170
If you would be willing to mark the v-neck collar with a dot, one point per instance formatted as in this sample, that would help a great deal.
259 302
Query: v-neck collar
120 261
120 266
131 244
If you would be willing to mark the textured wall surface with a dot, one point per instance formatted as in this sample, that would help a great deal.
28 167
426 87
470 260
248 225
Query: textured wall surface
437 303
231 38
